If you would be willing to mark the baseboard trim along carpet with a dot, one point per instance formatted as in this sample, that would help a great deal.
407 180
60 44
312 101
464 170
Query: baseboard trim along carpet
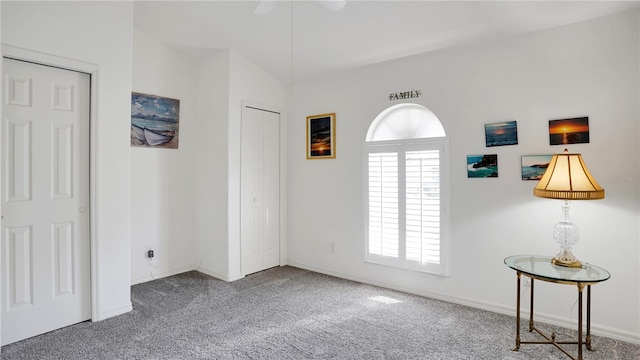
292 313
540 316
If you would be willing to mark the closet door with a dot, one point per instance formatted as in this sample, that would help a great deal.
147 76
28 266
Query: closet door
260 192
45 199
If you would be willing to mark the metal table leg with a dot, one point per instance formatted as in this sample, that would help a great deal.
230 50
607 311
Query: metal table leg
531 307
518 274
580 287
589 318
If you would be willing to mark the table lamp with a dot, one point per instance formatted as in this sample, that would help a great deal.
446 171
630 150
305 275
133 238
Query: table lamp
567 178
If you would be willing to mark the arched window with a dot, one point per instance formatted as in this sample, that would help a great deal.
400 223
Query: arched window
406 189
405 121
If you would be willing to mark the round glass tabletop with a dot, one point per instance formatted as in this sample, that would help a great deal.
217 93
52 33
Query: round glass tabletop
541 267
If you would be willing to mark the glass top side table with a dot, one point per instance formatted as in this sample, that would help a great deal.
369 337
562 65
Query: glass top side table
541 268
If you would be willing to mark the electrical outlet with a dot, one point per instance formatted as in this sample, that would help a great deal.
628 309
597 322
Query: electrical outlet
150 254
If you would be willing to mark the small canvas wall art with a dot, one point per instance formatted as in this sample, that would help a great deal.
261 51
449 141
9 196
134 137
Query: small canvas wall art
482 166
154 121
533 166
501 133
569 131
321 136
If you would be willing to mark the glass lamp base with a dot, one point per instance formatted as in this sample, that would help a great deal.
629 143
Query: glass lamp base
566 258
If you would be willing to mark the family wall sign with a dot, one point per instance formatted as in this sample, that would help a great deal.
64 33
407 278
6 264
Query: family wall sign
405 95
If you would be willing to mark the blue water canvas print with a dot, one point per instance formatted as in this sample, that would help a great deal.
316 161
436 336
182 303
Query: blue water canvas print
154 121
533 166
482 166
501 133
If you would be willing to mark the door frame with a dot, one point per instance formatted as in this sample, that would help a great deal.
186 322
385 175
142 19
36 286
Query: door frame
39 58
283 179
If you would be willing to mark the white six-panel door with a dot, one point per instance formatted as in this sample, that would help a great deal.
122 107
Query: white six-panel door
45 199
260 190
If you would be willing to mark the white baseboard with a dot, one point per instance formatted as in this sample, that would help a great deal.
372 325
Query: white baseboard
155 276
119 311
219 276
497 308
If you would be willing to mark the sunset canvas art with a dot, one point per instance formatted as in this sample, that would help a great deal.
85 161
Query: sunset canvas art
321 136
569 131
501 133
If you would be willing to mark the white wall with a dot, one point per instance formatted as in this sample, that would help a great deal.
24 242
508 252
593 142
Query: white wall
211 159
162 180
87 32
589 68
226 81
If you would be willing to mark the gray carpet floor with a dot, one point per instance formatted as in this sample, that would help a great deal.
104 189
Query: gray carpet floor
289 313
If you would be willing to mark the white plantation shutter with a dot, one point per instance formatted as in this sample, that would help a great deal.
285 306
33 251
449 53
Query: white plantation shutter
383 204
404 222
422 234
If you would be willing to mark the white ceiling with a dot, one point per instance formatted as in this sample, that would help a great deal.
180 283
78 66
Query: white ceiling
300 40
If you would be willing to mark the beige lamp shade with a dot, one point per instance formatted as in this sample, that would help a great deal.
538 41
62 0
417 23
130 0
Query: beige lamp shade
568 178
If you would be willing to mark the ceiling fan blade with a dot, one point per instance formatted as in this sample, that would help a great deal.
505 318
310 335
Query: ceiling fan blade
333 5
265 6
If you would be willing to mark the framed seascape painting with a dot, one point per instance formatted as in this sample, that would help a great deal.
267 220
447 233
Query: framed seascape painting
569 131
321 136
533 166
482 166
154 121
501 133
